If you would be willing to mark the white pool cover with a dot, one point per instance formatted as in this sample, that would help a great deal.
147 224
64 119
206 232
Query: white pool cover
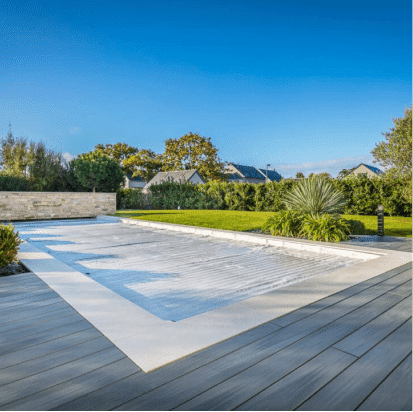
173 275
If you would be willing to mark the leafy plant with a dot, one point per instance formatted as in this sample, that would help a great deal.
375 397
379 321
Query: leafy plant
356 227
13 183
130 199
9 244
287 223
325 227
315 195
98 172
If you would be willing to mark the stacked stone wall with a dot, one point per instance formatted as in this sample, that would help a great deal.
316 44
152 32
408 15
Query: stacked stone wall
54 205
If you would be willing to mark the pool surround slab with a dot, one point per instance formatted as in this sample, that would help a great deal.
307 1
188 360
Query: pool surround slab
152 343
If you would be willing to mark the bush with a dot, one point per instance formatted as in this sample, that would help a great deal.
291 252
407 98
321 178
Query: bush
13 184
170 195
130 199
356 227
285 223
9 244
325 227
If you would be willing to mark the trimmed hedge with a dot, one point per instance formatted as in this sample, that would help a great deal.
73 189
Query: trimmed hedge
13 184
363 196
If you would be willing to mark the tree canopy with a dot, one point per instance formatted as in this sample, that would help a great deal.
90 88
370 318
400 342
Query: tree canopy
396 152
98 172
192 151
145 164
119 152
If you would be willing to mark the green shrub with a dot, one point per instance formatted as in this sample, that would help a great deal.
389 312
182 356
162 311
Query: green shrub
9 244
325 227
356 227
315 195
13 183
241 197
130 199
170 195
287 223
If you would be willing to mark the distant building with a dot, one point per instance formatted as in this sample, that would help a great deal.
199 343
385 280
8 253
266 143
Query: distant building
240 173
134 182
366 170
178 176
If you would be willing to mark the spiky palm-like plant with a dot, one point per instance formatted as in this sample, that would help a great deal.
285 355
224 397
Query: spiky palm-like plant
315 195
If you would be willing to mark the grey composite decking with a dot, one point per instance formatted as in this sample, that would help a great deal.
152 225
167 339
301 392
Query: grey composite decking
349 351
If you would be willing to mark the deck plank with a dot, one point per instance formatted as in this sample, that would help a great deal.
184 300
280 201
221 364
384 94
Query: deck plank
362 340
397 277
390 395
26 342
29 330
14 391
76 387
349 389
30 321
34 313
289 392
49 347
32 367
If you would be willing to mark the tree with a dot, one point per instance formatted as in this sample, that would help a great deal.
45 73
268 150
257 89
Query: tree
344 172
45 169
324 174
192 151
145 164
119 152
397 152
15 155
98 172
300 175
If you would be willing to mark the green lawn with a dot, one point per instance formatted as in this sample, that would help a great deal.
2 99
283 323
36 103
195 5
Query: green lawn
247 221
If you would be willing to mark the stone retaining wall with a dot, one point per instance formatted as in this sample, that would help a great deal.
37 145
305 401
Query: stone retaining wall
54 205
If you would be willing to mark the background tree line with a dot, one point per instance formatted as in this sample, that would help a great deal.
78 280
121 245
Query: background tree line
30 166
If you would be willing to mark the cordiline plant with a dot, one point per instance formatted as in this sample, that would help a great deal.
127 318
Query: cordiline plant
315 195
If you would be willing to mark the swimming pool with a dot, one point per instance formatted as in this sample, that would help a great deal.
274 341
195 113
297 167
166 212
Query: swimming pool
173 275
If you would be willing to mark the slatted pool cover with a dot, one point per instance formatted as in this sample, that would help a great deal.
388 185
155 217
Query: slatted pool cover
173 275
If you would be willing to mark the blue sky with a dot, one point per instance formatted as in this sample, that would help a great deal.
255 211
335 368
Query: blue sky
302 86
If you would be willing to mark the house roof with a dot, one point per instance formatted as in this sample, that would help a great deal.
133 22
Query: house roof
372 168
248 171
175 176
271 174
375 170
135 179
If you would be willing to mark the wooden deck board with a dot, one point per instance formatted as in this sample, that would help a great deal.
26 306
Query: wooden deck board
390 395
24 332
12 392
30 321
349 389
294 361
27 341
42 349
289 392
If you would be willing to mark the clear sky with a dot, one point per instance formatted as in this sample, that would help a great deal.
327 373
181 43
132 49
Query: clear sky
303 86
